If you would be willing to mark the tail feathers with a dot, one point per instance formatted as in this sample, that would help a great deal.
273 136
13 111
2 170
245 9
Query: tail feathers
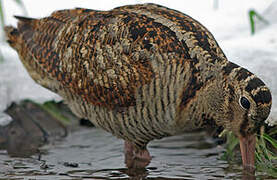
25 19
25 25
12 35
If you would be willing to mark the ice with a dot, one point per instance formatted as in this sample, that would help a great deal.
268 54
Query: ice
5 119
229 24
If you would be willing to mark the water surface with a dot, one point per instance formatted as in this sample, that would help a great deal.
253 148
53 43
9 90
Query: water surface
95 154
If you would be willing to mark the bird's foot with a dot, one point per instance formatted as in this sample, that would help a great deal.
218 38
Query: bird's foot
136 158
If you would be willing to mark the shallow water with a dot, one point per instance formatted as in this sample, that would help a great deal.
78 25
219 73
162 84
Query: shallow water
95 154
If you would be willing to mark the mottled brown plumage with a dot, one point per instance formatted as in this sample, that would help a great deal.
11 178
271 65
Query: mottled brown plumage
141 72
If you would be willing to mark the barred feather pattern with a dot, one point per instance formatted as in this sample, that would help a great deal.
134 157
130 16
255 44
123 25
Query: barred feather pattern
141 72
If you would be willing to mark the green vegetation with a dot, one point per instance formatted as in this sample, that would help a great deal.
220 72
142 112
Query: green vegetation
252 14
266 148
53 108
231 143
2 27
1 15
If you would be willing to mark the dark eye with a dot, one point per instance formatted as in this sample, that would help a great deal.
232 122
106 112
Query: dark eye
244 102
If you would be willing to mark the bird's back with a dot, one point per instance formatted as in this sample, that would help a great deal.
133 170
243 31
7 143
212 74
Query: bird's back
128 70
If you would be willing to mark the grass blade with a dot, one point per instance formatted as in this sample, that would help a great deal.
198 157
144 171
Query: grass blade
20 3
52 108
1 57
2 24
252 14
215 4
2 15
272 141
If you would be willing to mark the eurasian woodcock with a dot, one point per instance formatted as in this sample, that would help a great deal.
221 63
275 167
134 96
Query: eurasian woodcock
142 72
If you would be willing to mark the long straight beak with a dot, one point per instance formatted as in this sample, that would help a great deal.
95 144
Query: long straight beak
247 149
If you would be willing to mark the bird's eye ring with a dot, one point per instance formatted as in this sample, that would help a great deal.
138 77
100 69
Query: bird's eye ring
244 102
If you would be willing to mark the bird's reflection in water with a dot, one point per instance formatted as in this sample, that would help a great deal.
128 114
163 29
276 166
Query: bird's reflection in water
121 173
136 174
248 174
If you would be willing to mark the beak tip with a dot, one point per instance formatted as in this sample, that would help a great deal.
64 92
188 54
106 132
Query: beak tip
247 147
249 168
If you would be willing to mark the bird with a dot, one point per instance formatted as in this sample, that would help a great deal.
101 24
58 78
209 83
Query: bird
142 72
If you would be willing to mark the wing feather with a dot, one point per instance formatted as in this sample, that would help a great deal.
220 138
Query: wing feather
88 52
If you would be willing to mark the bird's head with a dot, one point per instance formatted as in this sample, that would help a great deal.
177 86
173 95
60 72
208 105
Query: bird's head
233 98
248 106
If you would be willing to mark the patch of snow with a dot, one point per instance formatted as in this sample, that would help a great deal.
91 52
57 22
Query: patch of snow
5 119
229 24
16 84
269 13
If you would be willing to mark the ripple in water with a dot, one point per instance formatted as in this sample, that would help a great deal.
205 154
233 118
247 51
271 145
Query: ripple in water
96 154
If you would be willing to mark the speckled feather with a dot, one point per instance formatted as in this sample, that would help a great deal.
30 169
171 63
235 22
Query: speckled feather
141 72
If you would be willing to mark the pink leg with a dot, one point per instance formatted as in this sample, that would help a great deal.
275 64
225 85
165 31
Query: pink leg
135 157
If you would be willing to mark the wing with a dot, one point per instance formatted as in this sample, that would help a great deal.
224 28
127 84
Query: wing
102 57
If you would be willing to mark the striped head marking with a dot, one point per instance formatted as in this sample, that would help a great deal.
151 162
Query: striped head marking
249 103
255 99
249 99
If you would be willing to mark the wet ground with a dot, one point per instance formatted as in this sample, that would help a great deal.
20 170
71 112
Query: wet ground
91 153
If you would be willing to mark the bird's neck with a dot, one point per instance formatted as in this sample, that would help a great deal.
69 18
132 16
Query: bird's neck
205 108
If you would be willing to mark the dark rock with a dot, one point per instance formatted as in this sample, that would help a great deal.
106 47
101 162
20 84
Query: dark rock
70 164
30 128
44 165
49 125
86 122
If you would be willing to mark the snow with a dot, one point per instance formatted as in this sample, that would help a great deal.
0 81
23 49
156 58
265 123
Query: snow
5 119
229 23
